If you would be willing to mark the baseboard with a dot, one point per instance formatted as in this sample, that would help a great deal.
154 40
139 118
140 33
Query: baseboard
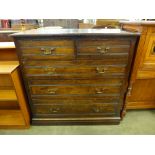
76 121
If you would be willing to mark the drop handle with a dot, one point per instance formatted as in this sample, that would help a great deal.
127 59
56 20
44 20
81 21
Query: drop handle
100 91
49 70
54 110
95 109
101 70
99 48
51 91
103 50
47 51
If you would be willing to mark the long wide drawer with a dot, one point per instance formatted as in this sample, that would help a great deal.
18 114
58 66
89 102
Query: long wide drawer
75 71
73 90
78 109
75 87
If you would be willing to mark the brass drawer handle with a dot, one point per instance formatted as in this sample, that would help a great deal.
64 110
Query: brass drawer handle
54 110
101 70
100 91
103 50
49 70
95 109
51 91
99 48
47 51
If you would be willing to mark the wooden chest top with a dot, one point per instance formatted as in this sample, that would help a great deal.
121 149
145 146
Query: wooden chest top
74 32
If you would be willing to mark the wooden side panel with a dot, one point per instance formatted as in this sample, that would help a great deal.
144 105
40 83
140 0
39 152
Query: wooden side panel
4 37
9 105
138 55
8 55
148 59
11 119
141 88
5 81
142 94
21 95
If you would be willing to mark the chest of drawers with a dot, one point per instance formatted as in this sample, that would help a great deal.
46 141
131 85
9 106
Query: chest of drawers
75 76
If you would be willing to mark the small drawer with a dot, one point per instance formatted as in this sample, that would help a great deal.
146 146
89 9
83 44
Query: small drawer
72 109
98 49
47 53
103 50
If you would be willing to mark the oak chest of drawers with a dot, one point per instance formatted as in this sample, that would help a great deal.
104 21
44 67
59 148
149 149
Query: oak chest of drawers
75 76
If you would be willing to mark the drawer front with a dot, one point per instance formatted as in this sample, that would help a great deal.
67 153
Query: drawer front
75 87
80 109
98 49
75 71
46 53
74 90
47 49
45 42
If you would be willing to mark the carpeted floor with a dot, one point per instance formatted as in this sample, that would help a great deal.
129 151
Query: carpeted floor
136 122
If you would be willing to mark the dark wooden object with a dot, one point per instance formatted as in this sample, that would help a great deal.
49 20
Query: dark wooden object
76 76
